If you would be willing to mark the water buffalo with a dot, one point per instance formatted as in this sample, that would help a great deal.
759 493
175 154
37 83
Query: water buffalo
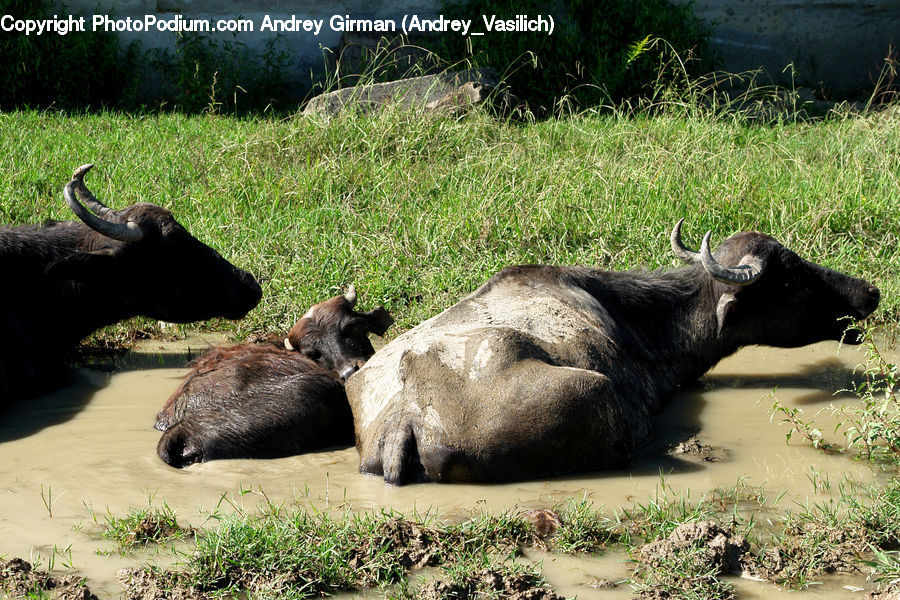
546 370
268 400
63 280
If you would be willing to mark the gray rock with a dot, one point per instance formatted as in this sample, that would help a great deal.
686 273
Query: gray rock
451 92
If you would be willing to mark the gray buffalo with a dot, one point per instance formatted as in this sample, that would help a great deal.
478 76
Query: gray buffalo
273 399
63 280
545 370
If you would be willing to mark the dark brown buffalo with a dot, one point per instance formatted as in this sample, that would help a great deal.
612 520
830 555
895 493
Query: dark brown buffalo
63 280
547 370
269 400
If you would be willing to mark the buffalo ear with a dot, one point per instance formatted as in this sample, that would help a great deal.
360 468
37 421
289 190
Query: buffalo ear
82 265
725 310
379 320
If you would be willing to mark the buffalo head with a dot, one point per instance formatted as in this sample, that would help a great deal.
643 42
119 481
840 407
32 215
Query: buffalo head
161 271
769 295
335 336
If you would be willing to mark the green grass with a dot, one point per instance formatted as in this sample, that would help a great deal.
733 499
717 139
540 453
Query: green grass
419 210
297 552
144 526
307 553
584 528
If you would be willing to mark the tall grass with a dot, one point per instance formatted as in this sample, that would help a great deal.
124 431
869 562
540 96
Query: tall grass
417 210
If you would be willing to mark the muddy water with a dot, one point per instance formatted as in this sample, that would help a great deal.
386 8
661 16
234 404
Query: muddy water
69 459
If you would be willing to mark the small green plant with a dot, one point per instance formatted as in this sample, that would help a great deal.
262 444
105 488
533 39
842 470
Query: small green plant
821 538
297 555
145 526
63 554
584 528
48 499
488 532
662 512
877 513
820 481
860 527
791 416
885 565
686 573
871 425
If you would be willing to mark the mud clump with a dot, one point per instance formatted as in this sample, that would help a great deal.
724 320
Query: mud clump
702 551
416 546
693 449
808 550
152 528
18 579
719 548
891 592
147 585
545 522
689 561
495 583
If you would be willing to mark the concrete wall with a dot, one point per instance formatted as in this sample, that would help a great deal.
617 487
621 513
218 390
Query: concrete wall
840 46
836 45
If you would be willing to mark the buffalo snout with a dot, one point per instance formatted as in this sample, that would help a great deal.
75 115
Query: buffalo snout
870 298
248 295
348 370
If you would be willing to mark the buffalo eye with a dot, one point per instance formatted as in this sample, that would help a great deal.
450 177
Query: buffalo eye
312 353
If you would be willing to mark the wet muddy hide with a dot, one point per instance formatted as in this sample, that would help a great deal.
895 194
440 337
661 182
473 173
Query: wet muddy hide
253 401
279 398
547 370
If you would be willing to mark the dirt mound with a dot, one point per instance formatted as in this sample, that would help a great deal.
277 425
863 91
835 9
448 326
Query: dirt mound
545 522
494 583
891 592
689 561
694 449
719 548
812 548
147 585
18 579
418 546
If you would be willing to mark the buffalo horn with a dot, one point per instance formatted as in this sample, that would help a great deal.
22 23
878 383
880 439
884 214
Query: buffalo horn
680 250
101 223
748 271
350 296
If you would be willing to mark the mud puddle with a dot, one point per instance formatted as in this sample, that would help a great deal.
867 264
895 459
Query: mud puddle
69 459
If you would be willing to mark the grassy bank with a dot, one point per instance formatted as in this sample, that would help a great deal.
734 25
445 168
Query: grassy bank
676 547
419 210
